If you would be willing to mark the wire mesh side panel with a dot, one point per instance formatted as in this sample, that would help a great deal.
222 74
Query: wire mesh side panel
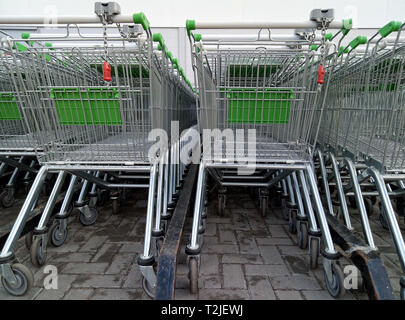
78 117
14 133
271 91
365 107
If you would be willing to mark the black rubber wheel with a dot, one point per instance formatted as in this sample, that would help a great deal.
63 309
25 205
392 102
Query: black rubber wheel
7 198
116 206
28 240
25 280
37 252
369 206
147 288
221 205
88 221
303 235
292 222
336 288
263 206
193 275
57 235
313 253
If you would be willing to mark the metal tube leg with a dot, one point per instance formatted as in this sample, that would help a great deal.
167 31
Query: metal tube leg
171 174
197 209
290 191
329 247
312 220
165 184
11 181
360 203
51 201
389 215
159 197
325 182
24 212
342 198
149 215
298 196
68 196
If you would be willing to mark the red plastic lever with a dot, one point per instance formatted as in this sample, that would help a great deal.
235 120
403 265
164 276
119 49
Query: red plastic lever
321 74
107 71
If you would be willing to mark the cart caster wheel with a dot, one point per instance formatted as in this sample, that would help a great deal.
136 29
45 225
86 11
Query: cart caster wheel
263 206
38 252
115 206
193 275
369 206
292 222
147 288
101 198
303 235
221 205
25 280
57 234
90 219
313 253
28 240
336 288
7 198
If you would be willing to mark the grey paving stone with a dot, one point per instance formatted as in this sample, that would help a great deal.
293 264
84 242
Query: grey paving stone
289 295
242 258
211 229
227 236
85 268
247 243
273 241
260 288
50 295
98 281
209 282
296 282
223 294
116 294
209 264
106 252
121 263
78 294
68 247
71 257
94 243
210 240
132 247
270 255
278 231
182 282
317 295
221 248
134 278
233 276
292 250
266 270
297 264
184 294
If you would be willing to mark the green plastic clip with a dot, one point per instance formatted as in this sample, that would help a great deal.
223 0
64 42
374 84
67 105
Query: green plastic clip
140 18
357 41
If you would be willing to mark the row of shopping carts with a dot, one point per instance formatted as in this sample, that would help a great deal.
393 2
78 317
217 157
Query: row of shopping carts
316 109
88 106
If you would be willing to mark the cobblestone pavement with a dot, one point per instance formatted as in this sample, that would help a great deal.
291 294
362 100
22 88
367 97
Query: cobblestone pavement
244 257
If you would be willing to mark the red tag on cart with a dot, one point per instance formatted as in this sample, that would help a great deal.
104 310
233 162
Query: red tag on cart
321 74
107 71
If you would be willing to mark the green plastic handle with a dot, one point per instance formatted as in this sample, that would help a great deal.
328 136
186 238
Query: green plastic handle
390 27
347 26
314 47
157 37
190 25
197 37
25 35
140 18
357 41
328 36
48 44
342 50
170 55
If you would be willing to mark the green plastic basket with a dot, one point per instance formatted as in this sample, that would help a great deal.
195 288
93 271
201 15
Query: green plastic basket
253 106
94 106
8 107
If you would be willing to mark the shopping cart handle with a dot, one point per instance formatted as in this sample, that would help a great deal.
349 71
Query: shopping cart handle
390 27
140 18
157 37
357 41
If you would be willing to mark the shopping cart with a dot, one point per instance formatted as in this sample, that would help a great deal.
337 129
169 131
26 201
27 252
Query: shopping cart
110 98
273 88
17 145
363 131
